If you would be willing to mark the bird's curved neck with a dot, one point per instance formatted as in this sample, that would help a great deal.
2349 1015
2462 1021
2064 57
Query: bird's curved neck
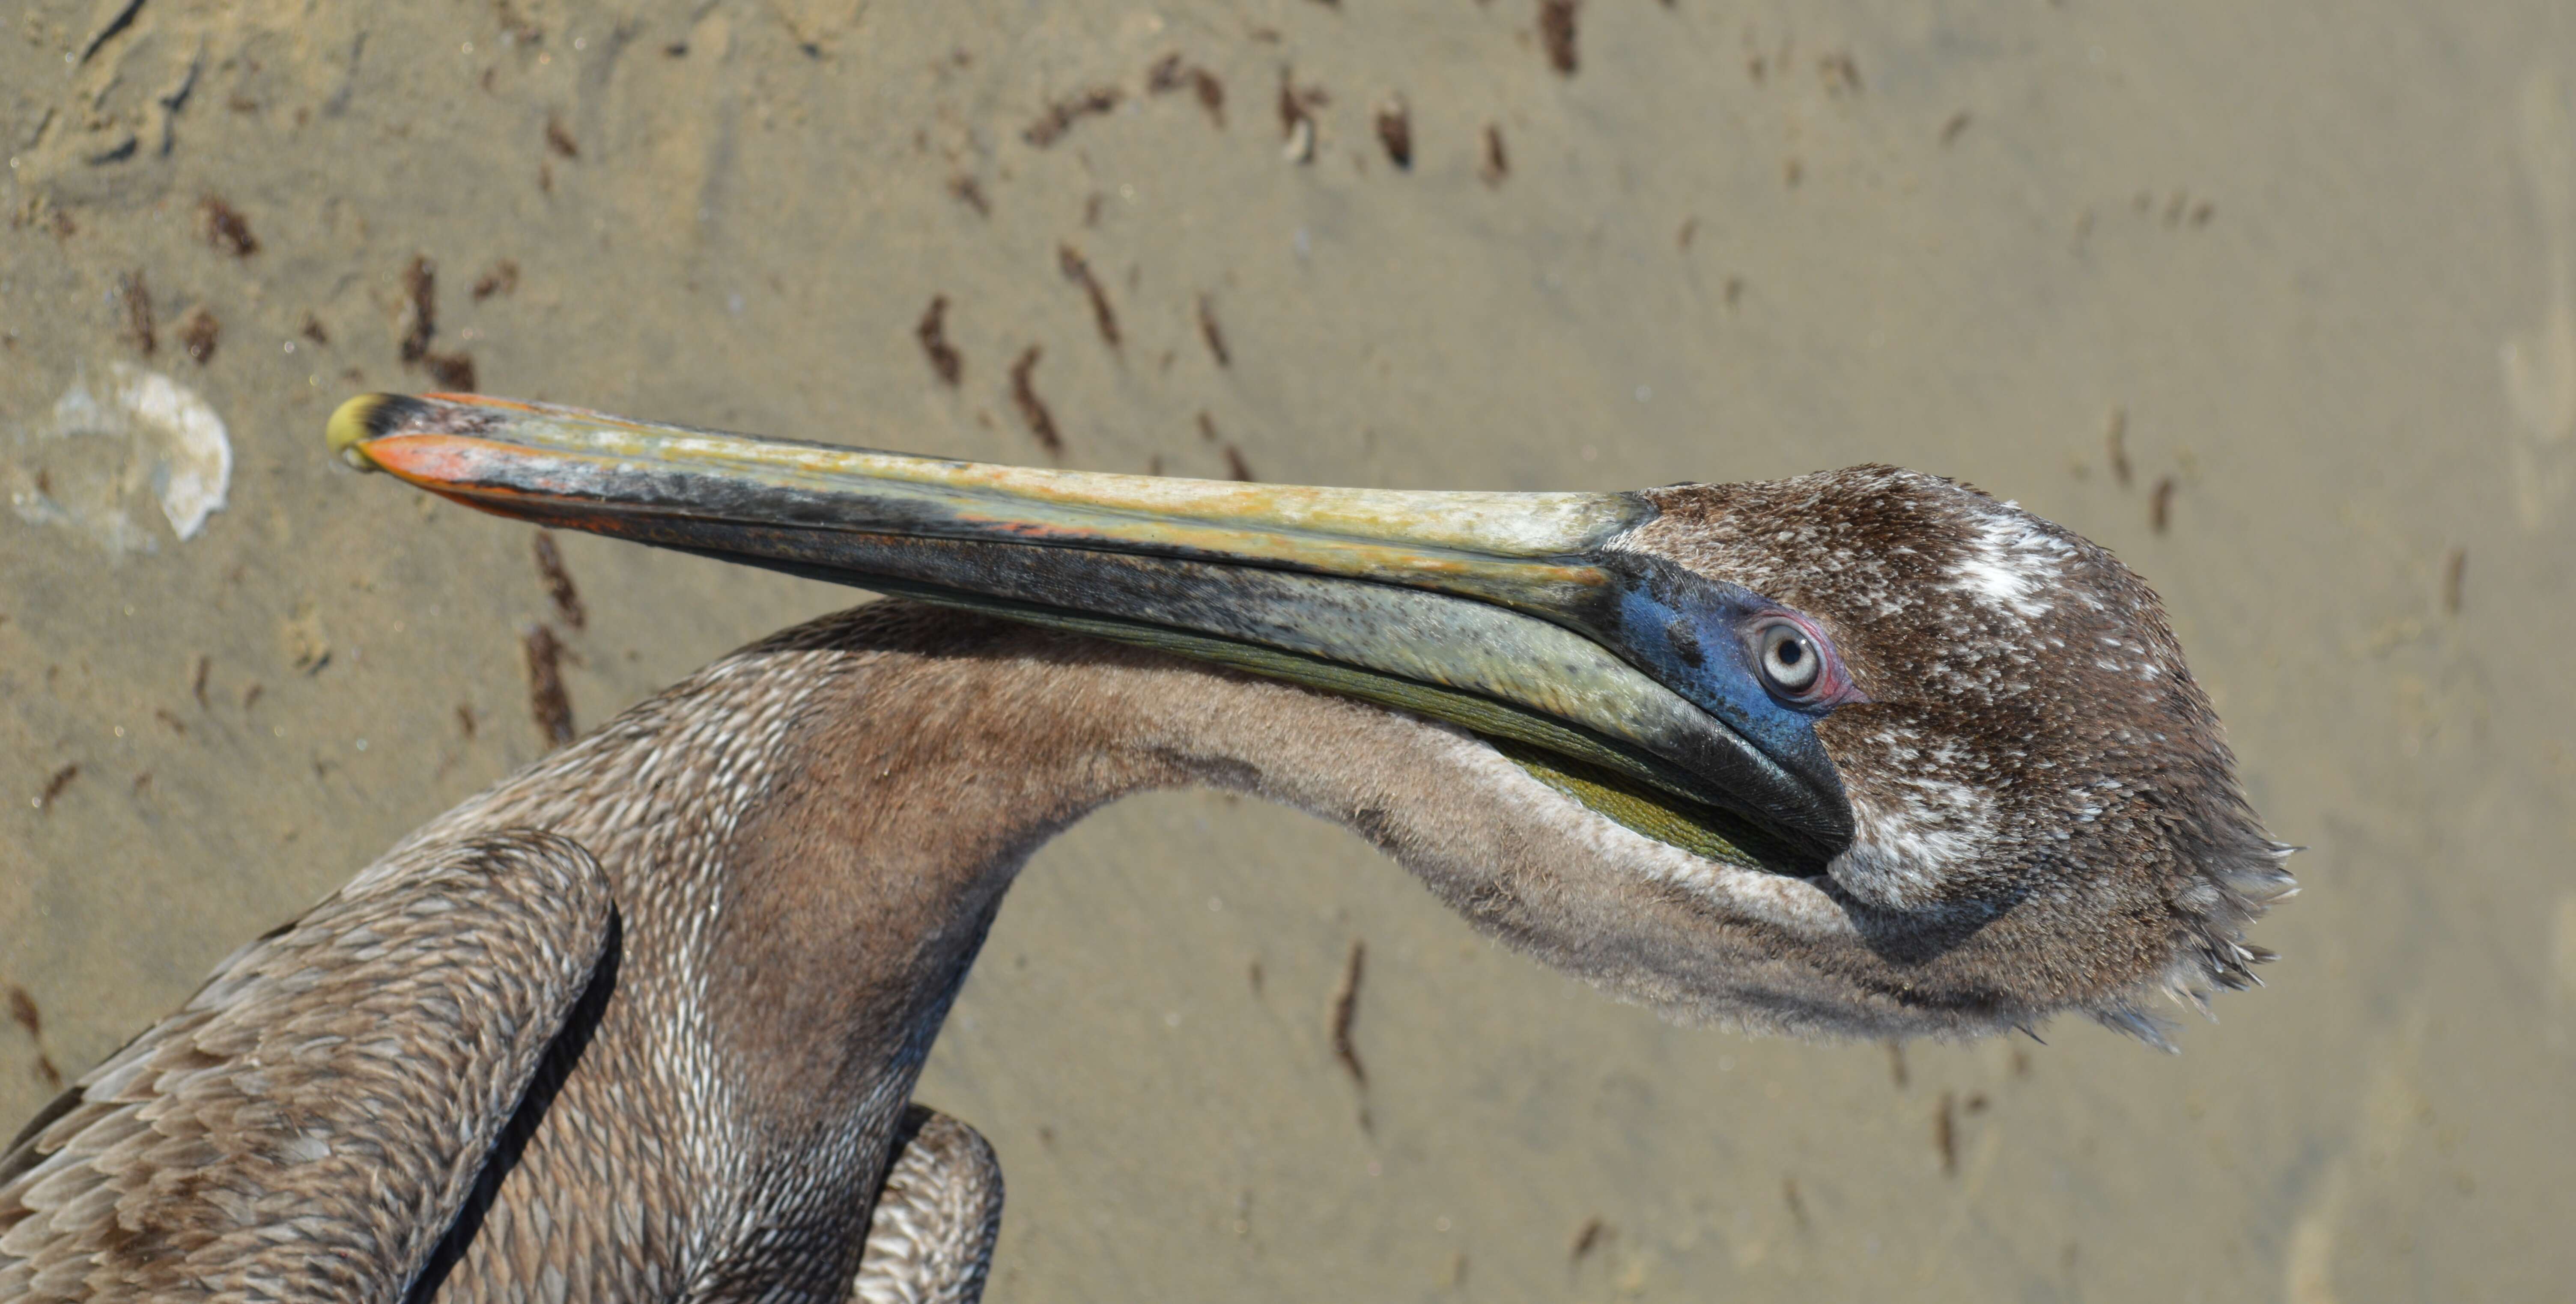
809 838
933 755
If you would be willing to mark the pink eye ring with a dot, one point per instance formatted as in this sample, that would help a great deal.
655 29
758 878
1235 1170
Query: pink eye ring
1796 661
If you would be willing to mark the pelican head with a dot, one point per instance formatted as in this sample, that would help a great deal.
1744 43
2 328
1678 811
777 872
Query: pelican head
1862 752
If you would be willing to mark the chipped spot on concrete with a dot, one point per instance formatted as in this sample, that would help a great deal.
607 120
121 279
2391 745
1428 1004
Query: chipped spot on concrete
110 451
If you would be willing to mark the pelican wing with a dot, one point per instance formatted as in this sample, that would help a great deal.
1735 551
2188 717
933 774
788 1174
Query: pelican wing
308 1125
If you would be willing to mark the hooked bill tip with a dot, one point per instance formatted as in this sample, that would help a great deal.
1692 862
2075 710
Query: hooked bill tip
363 418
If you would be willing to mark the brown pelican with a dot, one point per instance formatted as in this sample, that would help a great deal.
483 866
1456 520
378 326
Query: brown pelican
1861 753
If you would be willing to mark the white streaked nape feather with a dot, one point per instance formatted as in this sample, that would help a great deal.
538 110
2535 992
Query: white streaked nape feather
2011 562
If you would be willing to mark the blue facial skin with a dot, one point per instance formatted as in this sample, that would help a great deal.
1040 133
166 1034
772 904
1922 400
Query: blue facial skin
1688 631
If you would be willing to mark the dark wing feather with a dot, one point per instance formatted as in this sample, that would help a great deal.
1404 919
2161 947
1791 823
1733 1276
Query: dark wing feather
308 1124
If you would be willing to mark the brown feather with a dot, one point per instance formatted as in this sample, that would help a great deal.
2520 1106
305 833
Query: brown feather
304 1127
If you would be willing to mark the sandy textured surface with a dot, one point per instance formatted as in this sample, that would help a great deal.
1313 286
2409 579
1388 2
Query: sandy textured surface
2315 263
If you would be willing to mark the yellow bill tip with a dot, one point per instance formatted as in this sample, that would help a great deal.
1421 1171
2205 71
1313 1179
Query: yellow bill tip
359 420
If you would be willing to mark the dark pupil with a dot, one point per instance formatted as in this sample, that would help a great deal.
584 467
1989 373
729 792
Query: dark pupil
1791 651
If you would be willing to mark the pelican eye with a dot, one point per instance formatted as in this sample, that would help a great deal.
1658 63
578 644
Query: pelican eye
1796 663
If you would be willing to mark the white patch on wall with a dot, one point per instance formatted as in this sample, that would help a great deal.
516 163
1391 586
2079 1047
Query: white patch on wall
108 448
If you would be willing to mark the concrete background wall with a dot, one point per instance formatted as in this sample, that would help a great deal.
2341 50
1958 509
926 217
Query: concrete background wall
2312 262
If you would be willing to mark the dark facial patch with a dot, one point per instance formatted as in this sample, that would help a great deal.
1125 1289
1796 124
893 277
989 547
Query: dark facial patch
1685 643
